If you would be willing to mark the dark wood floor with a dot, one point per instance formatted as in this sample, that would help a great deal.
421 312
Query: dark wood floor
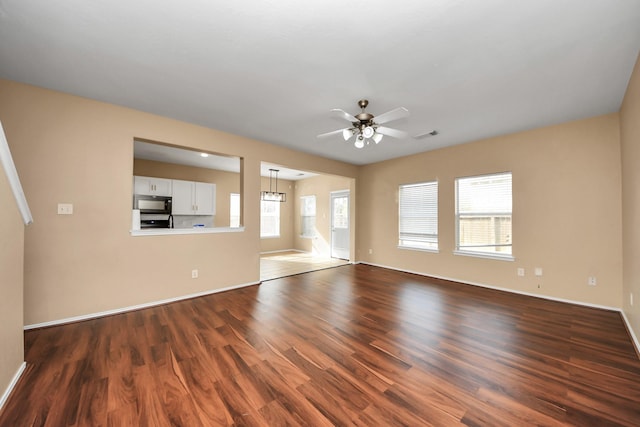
353 345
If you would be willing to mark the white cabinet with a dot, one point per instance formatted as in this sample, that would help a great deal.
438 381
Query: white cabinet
205 198
151 186
193 198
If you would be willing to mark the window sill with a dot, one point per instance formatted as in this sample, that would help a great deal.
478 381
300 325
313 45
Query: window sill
269 237
178 231
410 248
485 255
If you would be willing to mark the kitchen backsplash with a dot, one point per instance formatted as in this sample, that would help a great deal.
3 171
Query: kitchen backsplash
189 221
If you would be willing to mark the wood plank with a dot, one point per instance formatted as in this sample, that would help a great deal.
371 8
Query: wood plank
353 345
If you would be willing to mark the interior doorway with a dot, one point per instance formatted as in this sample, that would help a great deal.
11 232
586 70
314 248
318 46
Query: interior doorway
315 223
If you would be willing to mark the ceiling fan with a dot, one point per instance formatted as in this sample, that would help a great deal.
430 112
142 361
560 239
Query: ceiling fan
366 127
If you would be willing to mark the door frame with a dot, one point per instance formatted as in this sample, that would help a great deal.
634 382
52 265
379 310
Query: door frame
339 194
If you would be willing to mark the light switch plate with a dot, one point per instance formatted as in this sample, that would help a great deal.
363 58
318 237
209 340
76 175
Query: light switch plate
538 271
65 209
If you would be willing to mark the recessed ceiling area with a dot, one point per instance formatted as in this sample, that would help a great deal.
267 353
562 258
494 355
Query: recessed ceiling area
180 156
272 71
187 157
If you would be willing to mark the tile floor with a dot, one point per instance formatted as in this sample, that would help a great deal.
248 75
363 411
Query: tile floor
281 264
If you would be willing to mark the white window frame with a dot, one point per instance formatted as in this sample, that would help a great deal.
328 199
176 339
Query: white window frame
497 203
308 216
234 210
418 216
269 209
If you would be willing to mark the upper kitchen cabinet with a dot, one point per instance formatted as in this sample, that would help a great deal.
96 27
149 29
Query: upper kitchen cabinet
151 186
193 198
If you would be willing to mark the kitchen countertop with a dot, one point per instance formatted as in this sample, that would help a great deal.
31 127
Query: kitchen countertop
175 231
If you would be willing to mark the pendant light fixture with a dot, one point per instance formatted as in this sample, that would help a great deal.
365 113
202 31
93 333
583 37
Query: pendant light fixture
273 196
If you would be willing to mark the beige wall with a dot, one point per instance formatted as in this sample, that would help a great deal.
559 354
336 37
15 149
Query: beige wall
74 150
630 142
11 263
226 182
285 241
320 186
566 210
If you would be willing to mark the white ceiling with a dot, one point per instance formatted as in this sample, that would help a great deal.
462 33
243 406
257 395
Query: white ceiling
272 70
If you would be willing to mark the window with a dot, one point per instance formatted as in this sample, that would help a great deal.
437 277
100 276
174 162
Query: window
269 219
234 210
418 216
307 216
483 215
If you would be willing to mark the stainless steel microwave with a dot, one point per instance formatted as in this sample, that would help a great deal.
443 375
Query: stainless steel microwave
152 204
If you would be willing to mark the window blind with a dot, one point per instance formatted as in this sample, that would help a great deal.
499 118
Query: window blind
418 215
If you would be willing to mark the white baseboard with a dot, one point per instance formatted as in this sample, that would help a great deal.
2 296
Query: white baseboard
132 307
634 337
12 384
282 250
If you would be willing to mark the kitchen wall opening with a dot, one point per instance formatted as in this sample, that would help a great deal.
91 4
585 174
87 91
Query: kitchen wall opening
182 189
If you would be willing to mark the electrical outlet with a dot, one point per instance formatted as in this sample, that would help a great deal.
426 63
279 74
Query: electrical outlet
194 274
65 209
538 271
370 251
592 281
521 272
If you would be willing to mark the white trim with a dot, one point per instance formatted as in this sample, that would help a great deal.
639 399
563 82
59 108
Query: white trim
12 384
133 307
411 248
338 194
498 288
177 231
485 255
14 180
282 250
634 337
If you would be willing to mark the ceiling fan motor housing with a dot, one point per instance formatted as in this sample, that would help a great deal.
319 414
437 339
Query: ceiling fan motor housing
365 118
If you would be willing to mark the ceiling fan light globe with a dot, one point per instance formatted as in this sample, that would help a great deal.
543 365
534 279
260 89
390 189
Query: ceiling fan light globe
359 143
368 132
377 137
347 134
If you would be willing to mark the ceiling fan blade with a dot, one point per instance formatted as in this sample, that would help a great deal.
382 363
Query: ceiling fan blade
344 115
334 132
391 132
389 116
426 134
